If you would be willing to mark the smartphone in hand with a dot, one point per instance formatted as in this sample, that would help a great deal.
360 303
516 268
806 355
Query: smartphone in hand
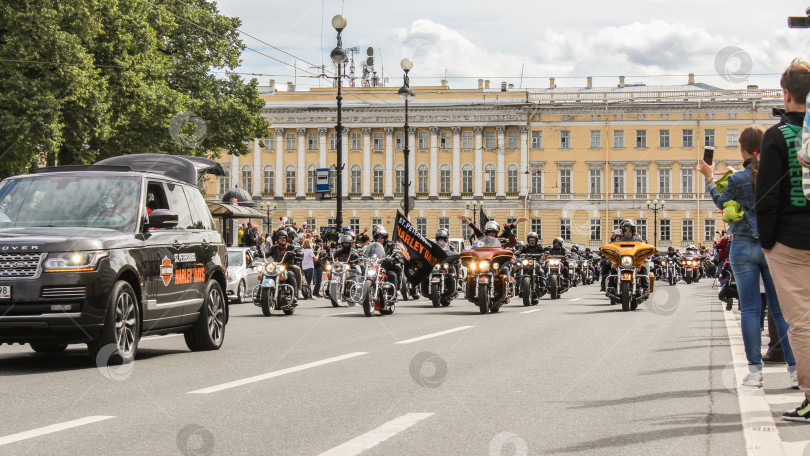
708 154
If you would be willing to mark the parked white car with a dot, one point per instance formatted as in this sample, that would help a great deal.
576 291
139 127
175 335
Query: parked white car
241 276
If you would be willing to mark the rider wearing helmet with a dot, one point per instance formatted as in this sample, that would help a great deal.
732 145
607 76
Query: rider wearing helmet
557 247
672 253
532 244
628 232
344 251
442 237
392 266
491 229
283 252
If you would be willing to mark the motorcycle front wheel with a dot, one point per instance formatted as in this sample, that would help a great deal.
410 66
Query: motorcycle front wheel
624 294
368 303
435 298
553 287
526 291
268 305
483 298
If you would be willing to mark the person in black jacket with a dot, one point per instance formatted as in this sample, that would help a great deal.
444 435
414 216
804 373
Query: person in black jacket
783 220
283 253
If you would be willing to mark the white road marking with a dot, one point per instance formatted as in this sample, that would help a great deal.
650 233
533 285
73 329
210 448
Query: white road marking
160 337
343 313
278 373
531 311
376 436
51 429
428 336
755 412
575 299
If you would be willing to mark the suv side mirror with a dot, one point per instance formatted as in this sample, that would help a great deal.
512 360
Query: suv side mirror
162 219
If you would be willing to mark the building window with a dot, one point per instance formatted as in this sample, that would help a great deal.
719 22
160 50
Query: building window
565 139
708 230
663 139
489 140
424 141
565 181
224 183
641 139
354 224
512 139
466 179
466 140
312 141
617 223
489 179
641 180
311 224
399 140
596 181
537 140
664 180
444 179
596 229
290 179
641 228
664 233
731 138
268 141
377 179
332 141
247 178
421 225
422 179
444 140
444 222
537 182
379 142
618 139
618 181
687 180
466 231
376 221
290 141
596 139
565 229
399 178
356 177
512 179
312 181
688 138
687 230
536 225
708 137
330 222
269 179
357 141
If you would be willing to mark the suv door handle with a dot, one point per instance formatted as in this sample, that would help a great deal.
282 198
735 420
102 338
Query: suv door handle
177 244
204 242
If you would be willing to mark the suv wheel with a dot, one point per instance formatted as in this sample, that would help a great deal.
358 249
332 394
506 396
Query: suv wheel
48 348
208 331
119 337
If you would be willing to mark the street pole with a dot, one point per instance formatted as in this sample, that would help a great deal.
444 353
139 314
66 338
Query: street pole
339 57
655 206
406 94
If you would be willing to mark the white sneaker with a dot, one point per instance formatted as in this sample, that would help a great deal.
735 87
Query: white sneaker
753 379
794 380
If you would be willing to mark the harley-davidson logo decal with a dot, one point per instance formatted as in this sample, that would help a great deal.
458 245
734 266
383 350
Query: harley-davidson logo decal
166 270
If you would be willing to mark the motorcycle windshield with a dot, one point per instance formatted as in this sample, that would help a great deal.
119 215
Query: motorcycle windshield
489 241
374 250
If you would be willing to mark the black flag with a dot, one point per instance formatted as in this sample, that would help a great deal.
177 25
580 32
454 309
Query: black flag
422 254
482 220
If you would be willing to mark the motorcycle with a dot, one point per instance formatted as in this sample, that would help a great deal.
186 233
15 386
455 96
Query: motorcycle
443 282
487 287
344 283
627 283
672 273
557 275
576 273
377 293
689 268
587 272
530 278
273 293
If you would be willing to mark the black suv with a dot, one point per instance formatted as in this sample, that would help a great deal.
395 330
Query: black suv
107 253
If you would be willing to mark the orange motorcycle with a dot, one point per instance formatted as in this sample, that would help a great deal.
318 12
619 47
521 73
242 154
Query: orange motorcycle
487 286
630 280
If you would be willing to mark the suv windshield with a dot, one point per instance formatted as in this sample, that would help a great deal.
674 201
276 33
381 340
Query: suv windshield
71 200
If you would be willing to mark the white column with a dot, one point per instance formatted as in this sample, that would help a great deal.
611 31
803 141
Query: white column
279 177
257 169
456 175
433 172
478 175
524 160
366 162
301 177
236 172
412 161
389 162
345 176
500 174
322 146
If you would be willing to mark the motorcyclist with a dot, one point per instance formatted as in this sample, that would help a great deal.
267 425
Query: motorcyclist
344 251
391 265
442 237
672 253
589 256
557 247
532 244
629 235
606 264
491 229
282 252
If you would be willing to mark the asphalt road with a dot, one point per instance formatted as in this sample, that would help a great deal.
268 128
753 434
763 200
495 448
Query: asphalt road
572 376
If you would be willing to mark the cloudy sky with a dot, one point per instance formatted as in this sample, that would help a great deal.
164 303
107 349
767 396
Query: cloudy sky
728 44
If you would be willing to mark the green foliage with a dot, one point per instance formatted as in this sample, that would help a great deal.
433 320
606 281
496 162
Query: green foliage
89 79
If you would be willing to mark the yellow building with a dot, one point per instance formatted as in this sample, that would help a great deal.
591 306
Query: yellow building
572 160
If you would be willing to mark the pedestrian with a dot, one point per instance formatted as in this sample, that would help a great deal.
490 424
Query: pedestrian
783 215
747 260
316 282
239 234
308 262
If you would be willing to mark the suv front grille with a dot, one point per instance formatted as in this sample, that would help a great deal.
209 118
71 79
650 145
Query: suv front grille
19 265
72 293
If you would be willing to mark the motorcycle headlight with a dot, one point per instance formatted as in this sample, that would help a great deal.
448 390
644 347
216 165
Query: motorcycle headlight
446 266
525 262
281 268
346 267
627 261
484 266
554 262
328 267
270 268
371 273
258 268
438 267
473 266
73 261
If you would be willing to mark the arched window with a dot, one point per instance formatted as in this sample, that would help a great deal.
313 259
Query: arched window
247 178
311 179
289 176
356 180
512 178
444 178
422 178
399 178
269 179
378 179
489 178
467 179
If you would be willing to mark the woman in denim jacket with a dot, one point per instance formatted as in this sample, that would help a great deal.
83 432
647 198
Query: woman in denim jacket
747 259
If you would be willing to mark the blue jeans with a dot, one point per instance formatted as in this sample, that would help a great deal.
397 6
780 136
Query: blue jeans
316 282
748 263
309 274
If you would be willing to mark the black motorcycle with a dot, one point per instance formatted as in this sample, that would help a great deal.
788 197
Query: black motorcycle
531 278
558 274
443 281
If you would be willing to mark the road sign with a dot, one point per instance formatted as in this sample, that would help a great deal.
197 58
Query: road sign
322 180
411 204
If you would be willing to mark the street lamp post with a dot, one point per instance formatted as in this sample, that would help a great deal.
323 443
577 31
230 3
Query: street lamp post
406 94
268 206
339 58
655 206
475 206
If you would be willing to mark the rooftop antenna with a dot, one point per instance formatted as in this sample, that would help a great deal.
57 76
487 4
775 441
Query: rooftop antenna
521 74
352 51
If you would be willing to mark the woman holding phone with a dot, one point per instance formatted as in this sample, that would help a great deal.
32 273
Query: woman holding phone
747 259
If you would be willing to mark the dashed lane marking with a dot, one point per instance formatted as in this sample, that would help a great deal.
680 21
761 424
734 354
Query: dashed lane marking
428 336
376 436
51 429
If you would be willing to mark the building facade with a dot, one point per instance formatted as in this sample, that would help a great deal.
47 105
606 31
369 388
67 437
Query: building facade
574 161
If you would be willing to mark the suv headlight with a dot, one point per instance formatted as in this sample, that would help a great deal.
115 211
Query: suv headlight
627 261
73 261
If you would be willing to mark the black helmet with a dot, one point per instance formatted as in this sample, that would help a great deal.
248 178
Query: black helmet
442 234
671 249
381 233
575 248
534 235
629 225
557 240
492 225
282 233
587 250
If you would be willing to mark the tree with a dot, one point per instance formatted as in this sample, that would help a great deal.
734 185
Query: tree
88 79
